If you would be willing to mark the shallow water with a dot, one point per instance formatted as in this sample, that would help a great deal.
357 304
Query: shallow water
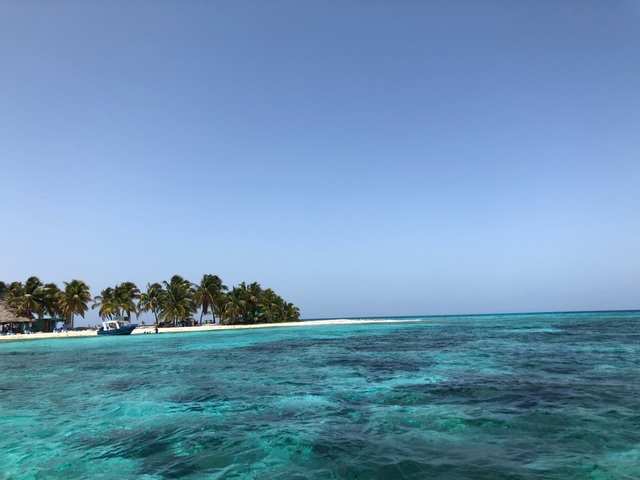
553 396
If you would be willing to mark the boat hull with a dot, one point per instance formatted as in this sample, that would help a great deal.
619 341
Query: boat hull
124 330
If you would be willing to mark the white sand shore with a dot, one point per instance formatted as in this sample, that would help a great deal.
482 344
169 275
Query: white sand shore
200 328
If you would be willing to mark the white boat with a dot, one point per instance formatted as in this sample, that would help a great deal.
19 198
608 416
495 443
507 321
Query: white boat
117 326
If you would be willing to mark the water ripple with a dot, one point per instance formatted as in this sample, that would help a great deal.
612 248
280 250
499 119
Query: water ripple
522 397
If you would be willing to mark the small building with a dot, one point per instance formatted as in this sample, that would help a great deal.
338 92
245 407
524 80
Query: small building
46 324
23 324
10 322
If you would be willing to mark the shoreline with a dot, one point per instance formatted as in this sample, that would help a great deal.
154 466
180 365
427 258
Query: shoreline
148 329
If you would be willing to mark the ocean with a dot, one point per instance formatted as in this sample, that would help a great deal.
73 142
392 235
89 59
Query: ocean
535 396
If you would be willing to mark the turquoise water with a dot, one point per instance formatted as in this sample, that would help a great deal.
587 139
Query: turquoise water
552 396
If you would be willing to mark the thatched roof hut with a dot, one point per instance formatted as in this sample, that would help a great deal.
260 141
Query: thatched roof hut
7 316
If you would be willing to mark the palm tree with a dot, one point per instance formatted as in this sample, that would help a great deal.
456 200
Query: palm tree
51 300
117 302
106 303
126 295
270 306
15 289
151 300
219 306
291 313
74 299
243 304
253 295
207 293
28 299
234 308
177 301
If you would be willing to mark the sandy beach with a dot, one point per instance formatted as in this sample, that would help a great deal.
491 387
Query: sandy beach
148 329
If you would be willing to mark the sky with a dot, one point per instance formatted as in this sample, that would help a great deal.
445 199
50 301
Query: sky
361 158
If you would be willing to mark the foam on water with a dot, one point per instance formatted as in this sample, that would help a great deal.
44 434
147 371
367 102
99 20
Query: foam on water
553 396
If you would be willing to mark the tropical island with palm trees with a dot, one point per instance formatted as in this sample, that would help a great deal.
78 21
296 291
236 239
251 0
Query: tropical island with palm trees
173 303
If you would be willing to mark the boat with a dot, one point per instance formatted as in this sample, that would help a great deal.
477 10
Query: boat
117 326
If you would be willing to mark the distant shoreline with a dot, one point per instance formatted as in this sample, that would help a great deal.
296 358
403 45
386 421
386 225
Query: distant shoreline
148 329
209 327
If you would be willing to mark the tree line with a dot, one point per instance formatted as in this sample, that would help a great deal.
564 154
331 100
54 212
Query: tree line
171 302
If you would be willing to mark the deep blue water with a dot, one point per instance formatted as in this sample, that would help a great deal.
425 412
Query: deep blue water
550 396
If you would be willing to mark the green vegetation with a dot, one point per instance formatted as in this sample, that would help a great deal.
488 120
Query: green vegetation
174 302
4 289
73 299
37 300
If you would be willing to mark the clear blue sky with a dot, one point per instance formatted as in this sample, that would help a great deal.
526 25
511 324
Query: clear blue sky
358 157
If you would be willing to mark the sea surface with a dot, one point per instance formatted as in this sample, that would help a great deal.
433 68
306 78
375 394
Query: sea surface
536 396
